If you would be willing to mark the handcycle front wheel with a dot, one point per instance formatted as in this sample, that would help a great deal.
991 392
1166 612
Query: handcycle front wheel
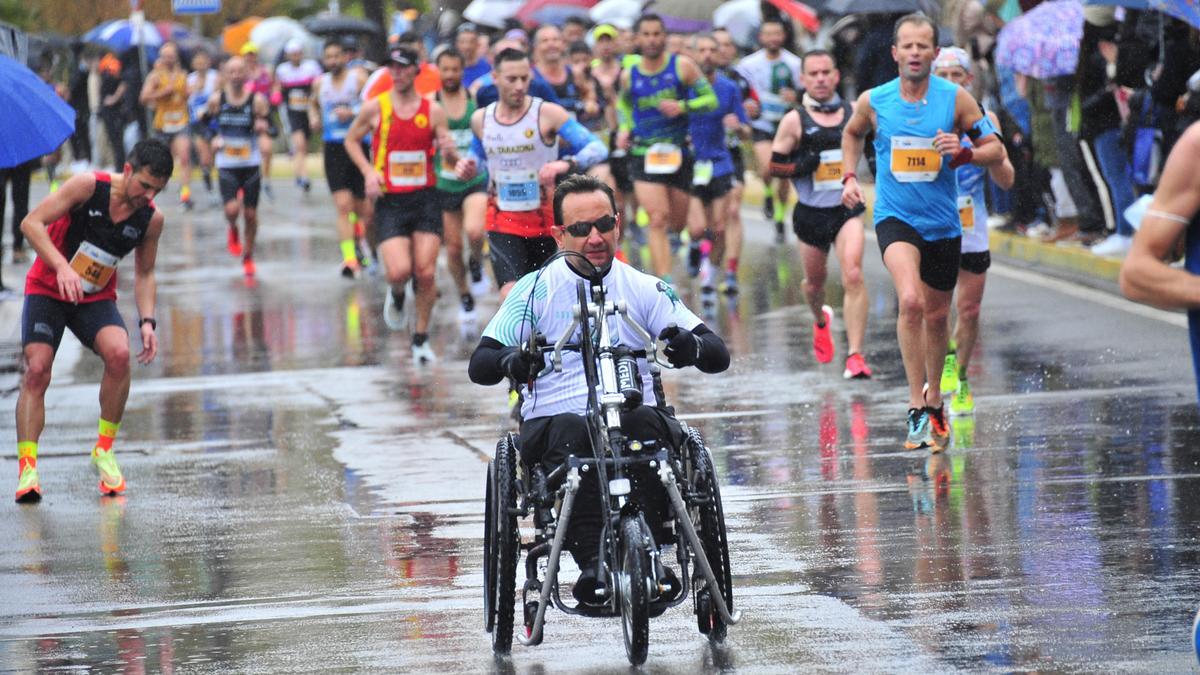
501 586
714 541
633 586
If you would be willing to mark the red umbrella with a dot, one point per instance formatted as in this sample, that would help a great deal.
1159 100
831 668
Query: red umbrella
539 12
799 11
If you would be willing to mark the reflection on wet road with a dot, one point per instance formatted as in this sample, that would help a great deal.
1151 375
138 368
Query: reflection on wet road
303 498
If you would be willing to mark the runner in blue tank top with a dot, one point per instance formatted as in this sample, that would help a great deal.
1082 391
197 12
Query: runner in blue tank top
656 96
918 120
954 64
1171 223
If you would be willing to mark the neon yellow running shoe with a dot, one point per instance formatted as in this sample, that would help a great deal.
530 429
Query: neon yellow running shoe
950 374
963 402
28 488
111 480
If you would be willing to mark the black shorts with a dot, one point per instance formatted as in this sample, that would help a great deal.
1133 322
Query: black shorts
515 256
739 164
718 187
819 227
298 121
402 213
619 166
247 178
976 263
760 136
453 201
680 180
169 137
340 172
201 129
939 258
43 319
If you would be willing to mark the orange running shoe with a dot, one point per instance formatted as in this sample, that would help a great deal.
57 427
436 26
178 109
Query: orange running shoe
28 487
856 368
232 243
939 431
248 268
822 339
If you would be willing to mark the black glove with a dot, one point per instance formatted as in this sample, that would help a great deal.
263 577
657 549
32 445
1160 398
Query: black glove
683 348
520 365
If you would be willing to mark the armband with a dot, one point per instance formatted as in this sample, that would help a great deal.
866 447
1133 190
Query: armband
782 165
589 150
982 128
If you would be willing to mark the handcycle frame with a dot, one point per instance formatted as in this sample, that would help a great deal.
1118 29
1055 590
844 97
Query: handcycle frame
625 532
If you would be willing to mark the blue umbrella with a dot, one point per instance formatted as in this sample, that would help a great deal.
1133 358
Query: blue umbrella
119 35
1184 10
1128 4
34 119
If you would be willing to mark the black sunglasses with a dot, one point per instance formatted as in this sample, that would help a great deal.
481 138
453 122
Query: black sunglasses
583 228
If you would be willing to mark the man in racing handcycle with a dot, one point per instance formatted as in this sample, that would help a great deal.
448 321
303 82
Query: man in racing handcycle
542 302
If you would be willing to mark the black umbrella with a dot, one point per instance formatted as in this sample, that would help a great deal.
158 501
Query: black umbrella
841 7
339 24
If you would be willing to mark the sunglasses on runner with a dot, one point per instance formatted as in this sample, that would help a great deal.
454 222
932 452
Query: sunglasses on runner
583 228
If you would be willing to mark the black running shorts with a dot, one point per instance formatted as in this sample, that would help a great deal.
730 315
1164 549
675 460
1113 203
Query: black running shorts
976 263
939 258
44 319
514 256
402 213
247 178
819 227
340 172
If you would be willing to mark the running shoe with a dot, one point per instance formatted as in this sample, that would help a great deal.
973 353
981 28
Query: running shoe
939 431
423 355
111 480
705 276
479 285
233 243
769 207
779 236
351 269
466 310
693 262
304 184
823 339
963 402
730 285
266 190
393 311
248 268
950 373
28 488
918 429
856 368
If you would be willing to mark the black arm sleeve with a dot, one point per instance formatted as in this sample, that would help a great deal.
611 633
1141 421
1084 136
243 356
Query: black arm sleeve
485 367
714 356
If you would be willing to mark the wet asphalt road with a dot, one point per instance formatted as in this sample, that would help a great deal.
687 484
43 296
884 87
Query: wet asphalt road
303 498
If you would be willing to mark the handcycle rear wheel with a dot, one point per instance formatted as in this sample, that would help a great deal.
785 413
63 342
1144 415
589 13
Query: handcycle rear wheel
633 580
713 539
489 550
507 544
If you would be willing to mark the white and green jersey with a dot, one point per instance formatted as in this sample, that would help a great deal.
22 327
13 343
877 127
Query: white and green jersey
548 308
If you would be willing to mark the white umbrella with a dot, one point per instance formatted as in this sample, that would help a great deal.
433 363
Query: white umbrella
492 12
272 34
620 13
741 18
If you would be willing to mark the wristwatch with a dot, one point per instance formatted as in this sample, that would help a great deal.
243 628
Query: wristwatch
148 320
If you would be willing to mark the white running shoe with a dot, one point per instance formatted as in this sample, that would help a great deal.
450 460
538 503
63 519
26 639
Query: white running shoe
423 355
393 316
707 283
1115 246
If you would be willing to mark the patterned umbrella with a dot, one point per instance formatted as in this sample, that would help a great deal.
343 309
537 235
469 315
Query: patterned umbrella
1043 42
1184 10
119 35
